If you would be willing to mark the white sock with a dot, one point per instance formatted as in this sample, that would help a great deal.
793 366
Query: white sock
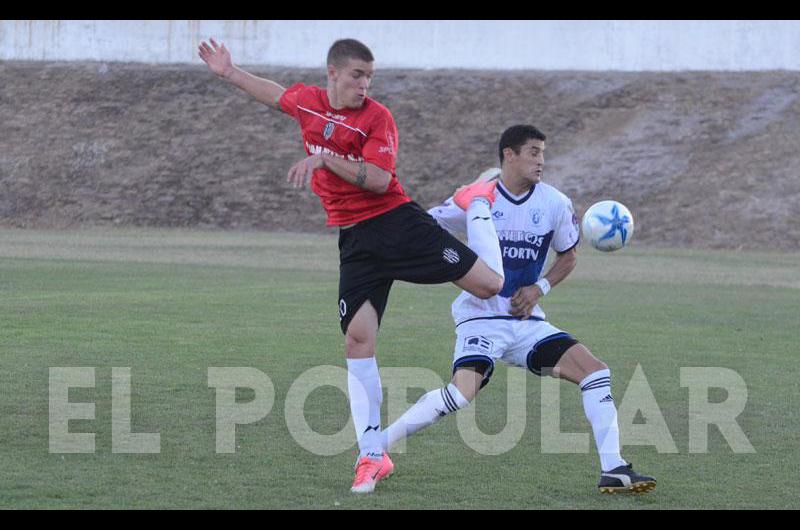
482 236
366 395
602 414
428 410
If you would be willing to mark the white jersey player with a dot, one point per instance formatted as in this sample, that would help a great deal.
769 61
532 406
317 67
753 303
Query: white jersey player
527 227
531 218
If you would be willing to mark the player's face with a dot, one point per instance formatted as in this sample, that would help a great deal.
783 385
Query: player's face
351 82
529 163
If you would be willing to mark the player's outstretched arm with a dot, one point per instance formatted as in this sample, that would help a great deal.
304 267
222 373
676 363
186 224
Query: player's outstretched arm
218 59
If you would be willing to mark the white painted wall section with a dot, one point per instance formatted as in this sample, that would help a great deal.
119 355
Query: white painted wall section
603 45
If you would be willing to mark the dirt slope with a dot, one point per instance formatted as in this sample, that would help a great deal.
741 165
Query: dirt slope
702 159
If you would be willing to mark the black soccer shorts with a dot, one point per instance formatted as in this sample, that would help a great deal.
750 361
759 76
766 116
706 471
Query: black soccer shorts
406 244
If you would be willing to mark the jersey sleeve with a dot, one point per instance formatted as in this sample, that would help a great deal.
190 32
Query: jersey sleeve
567 231
450 217
288 100
380 148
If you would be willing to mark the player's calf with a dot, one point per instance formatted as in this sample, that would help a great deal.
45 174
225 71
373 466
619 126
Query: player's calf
436 404
563 356
577 363
429 409
485 278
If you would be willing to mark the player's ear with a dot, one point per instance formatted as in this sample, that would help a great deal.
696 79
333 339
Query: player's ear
332 72
508 152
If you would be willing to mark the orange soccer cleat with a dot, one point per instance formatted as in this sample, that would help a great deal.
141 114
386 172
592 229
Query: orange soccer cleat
466 194
369 472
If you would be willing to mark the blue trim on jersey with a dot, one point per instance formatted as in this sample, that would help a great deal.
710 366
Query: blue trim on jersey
500 318
573 246
511 199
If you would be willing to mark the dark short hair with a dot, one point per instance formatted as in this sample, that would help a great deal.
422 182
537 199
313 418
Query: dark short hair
345 49
516 136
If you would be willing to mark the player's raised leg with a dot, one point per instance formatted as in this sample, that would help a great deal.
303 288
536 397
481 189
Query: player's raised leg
485 278
364 389
593 376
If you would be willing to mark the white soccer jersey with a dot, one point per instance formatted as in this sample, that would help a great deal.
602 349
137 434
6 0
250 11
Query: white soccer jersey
527 227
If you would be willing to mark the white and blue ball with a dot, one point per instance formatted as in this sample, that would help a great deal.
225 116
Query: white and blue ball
607 225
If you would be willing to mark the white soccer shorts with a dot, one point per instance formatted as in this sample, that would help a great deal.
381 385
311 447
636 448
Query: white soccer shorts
500 339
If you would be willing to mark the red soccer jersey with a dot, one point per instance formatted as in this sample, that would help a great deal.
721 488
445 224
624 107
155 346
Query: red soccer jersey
368 133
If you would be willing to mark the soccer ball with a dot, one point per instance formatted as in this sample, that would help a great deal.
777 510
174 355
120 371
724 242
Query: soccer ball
608 225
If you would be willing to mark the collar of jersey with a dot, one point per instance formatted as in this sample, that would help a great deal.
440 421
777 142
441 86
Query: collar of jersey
344 110
510 198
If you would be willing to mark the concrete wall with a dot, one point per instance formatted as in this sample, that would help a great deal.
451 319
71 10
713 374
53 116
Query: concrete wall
508 45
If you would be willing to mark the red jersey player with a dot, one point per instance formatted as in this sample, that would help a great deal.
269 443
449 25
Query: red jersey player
357 135
384 236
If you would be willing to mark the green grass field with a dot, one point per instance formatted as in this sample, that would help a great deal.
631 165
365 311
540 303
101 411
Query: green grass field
171 304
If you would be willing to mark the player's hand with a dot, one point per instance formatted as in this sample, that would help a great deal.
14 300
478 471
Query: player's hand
524 300
217 57
300 174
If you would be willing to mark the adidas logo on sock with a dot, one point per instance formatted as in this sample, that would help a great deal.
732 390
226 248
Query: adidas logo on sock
607 399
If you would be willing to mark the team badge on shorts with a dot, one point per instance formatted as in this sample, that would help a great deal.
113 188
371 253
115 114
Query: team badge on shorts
342 309
478 343
451 256
327 132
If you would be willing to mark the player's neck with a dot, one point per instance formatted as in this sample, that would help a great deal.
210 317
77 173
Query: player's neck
333 100
516 186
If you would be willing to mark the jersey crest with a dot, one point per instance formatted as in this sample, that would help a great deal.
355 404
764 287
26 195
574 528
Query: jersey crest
327 132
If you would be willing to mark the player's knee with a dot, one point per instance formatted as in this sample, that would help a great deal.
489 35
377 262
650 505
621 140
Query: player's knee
497 284
470 376
359 345
588 369
585 364
587 360
490 287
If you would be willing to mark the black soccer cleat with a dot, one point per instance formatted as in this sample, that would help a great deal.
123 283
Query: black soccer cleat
624 479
